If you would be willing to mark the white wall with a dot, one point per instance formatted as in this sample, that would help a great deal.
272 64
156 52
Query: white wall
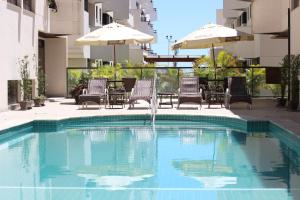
220 19
269 16
55 65
106 53
71 19
272 50
136 55
295 31
19 37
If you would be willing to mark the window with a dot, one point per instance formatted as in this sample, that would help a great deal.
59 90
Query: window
295 4
27 5
14 2
107 19
86 5
98 14
13 94
244 18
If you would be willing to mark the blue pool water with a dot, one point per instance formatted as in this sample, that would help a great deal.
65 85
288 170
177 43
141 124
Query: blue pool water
171 161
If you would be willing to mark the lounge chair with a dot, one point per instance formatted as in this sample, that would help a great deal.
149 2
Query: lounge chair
237 92
96 91
189 91
142 90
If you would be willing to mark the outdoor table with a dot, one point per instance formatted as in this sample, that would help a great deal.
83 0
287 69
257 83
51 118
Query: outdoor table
116 97
213 97
169 95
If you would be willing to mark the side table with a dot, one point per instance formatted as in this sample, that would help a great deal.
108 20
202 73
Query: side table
168 95
116 97
213 97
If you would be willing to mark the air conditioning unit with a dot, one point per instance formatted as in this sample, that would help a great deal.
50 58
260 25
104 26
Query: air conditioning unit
98 14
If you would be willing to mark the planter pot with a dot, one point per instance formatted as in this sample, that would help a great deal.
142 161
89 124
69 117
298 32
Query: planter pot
37 102
25 105
43 102
293 106
281 102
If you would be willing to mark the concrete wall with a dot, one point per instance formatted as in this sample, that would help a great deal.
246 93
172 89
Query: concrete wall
136 55
19 37
295 31
56 63
73 20
106 53
269 16
220 19
272 50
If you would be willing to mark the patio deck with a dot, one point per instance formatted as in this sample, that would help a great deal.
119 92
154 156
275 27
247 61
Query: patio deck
60 108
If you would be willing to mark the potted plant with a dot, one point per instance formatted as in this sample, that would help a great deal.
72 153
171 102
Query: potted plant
40 99
52 5
295 65
26 83
81 84
284 82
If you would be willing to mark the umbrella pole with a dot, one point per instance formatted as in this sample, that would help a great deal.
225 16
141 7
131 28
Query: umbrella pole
114 60
214 60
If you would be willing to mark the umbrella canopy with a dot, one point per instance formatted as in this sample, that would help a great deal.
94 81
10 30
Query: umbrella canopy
114 34
211 34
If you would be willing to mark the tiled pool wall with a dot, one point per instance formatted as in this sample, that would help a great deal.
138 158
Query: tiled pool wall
208 121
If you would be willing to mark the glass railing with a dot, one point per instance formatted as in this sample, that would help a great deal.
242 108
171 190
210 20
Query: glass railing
168 77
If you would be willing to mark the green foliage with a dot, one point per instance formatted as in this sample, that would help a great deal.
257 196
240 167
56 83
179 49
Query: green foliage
295 66
275 89
168 80
204 66
284 75
108 71
257 81
41 81
26 83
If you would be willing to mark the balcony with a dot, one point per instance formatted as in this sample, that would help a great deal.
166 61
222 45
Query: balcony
28 5
14 2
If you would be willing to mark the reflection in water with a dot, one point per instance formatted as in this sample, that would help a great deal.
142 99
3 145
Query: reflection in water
118 162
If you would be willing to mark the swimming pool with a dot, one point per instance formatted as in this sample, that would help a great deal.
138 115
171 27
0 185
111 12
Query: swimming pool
129 159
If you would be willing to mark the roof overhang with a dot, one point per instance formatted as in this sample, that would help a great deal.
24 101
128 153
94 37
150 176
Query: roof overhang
51 35
155 59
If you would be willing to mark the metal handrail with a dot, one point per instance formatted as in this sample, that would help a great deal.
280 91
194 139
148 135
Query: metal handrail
153 102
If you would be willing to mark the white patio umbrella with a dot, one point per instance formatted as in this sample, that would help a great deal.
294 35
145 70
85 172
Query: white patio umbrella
209 36
115 34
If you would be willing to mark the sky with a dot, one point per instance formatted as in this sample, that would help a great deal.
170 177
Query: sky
181 17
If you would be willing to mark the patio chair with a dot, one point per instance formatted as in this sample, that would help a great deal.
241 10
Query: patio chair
128 84
189 91
142 90
237 92
96 91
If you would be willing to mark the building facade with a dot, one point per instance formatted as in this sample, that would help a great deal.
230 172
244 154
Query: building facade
264 50
47 36
274 19
27 31
80 17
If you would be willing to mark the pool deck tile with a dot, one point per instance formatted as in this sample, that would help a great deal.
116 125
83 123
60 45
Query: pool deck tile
60 108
